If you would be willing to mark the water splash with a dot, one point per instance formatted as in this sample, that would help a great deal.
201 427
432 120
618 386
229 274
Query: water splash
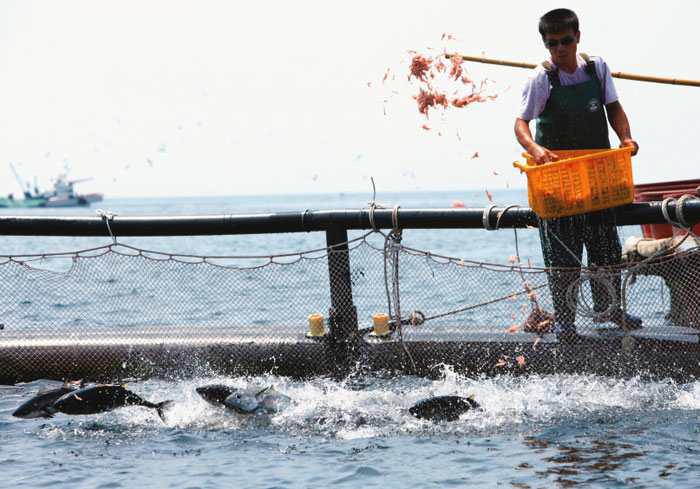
378 407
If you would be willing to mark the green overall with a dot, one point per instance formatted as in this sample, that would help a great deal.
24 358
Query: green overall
574 118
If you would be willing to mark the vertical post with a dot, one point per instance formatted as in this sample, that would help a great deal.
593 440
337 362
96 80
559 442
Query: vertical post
342 314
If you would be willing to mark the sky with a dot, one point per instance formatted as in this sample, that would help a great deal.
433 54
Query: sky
204 98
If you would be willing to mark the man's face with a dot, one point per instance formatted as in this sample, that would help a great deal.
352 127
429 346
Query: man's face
562 46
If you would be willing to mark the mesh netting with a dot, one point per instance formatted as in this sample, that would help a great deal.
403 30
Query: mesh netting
117 308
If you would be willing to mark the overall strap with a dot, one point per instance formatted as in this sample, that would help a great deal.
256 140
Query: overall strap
591 71
590 66
552 73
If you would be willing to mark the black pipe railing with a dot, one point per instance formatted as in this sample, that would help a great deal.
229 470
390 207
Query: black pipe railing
305 221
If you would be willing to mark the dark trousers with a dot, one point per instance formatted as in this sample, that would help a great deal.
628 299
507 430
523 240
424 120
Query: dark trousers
596 231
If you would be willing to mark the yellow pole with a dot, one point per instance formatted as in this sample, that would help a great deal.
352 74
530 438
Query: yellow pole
618 74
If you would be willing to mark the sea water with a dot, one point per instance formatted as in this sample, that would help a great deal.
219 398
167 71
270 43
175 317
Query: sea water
536 431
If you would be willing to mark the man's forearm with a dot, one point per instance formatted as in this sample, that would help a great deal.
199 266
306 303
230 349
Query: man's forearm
619 121
523 134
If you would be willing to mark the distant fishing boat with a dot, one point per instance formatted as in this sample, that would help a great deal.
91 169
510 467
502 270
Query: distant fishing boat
62 194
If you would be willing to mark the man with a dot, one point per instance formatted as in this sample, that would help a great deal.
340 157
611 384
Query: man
568 95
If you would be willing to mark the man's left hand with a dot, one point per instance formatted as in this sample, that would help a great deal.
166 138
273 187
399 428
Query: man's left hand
630 143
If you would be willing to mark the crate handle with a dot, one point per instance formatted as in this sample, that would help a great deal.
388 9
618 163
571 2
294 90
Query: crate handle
523 167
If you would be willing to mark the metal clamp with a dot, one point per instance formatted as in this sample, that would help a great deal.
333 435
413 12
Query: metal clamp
486 218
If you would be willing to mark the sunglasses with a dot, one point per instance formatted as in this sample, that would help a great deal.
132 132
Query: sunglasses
564 41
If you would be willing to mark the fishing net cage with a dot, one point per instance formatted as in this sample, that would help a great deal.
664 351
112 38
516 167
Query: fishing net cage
119 312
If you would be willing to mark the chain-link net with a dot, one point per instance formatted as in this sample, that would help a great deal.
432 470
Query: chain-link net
119 311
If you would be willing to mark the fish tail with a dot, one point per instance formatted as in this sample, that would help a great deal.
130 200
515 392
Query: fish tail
161 407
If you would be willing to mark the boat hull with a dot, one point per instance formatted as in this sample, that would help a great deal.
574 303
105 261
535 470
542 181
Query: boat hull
72 201
22 203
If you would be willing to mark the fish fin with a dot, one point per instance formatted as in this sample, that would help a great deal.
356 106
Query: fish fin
472 401
161 407
265 390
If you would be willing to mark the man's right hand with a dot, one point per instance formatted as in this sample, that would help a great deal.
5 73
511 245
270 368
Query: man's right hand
542 154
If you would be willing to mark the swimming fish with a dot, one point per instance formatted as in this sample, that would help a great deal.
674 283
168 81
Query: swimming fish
256 401
215 394
41 405
443 408
102 398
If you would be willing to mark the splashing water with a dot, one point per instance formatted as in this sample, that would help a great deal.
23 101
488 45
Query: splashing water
350 422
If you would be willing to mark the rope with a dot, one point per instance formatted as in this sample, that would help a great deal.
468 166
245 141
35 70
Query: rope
387 237
664 210
591 275
528 289
502 213
486 217
546 225
395 218
680 212
630 276
681 221
418 318
517 256
373 205
605 280
303 218
83 253
392 247
107 217
574 292
474 306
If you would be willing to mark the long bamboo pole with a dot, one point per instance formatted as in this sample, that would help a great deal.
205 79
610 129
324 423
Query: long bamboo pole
617 74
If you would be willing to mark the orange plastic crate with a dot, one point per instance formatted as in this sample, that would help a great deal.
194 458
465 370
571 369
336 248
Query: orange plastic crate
583 180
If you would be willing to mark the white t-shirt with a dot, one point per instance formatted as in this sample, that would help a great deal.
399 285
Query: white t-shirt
536 91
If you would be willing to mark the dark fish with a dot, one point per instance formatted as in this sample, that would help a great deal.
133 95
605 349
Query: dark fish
102 398
215 394
41 405
443 408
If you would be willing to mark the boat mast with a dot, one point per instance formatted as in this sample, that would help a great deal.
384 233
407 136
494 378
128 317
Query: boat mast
27 194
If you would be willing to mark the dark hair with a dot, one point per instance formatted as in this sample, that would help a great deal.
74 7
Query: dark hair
558 20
